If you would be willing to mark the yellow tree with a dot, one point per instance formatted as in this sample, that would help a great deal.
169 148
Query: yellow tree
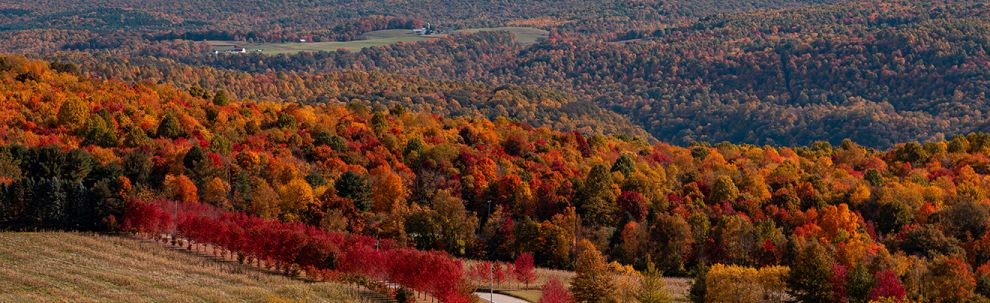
181 188
215 193
73 113
295 197
592 281
264 199
387 189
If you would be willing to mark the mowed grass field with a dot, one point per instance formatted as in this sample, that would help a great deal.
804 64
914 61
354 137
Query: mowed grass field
74 267
525 35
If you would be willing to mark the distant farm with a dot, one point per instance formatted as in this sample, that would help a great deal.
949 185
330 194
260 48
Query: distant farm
525 35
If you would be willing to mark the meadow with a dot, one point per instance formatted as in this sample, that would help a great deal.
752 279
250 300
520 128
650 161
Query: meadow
525 36
101 268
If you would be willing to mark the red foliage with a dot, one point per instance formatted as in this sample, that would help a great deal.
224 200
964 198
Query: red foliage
839 277
554 292
524 268
313 249
886 285
633 204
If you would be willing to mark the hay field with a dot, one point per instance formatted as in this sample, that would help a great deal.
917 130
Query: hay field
75 267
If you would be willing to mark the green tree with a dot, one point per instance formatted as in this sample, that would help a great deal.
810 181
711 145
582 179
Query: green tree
98 131
699 289
859 281
624 164
912 153
221 98
78 165
137 166
50 204
379 123
596 198
46 162
810 277
723 190
651 289
355 187
135 136
170 127
873 177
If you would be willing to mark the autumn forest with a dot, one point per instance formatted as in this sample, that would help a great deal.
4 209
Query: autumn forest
646 151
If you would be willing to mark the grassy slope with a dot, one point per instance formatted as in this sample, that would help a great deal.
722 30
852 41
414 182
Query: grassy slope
525 35
46 267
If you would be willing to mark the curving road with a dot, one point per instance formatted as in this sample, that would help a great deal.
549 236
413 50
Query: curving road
498 298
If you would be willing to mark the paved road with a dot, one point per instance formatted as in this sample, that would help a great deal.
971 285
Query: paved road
498 298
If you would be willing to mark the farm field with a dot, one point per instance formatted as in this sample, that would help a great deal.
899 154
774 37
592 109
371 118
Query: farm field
525 35
38 267
376 38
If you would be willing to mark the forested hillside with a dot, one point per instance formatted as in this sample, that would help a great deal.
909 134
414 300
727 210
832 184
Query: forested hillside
817 150
334 19
879 73
907 222
535 106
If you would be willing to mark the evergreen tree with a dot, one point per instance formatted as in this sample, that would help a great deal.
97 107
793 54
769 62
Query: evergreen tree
79 211
698 288
45 162
355 187
51 202
137 167
652 286
78 165
596 199
20 196
810 277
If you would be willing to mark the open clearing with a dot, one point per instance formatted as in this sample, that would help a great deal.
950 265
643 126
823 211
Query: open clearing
376 38
58 266
525 36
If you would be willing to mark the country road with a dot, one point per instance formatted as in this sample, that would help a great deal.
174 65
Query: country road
498 298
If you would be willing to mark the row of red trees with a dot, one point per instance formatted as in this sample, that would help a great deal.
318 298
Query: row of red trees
287 245
522 271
